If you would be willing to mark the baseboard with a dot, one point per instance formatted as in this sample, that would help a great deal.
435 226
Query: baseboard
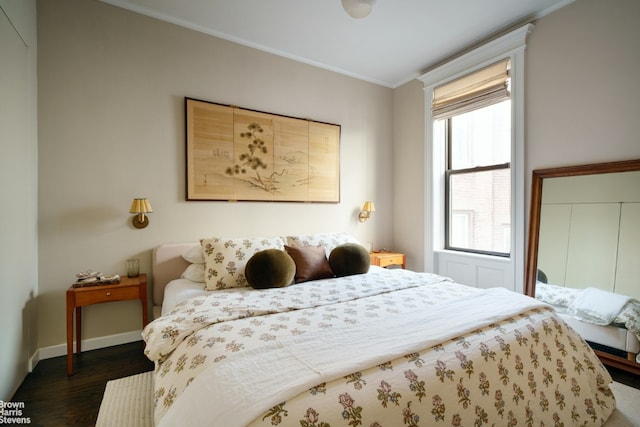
33 360
90 344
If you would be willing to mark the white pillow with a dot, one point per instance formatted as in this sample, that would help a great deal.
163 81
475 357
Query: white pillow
328 240
194 272
225 259
194 255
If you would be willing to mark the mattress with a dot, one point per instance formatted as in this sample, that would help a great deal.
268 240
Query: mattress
180 290
610 336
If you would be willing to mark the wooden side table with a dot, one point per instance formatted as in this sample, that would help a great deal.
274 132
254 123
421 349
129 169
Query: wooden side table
384 259
129 288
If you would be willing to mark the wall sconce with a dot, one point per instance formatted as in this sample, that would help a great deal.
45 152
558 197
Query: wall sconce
365 213
140 207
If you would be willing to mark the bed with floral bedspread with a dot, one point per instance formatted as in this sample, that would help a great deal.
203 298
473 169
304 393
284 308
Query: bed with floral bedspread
624 314
386 348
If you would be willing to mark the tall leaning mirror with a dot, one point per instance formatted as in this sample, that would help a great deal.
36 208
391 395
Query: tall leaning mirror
584 253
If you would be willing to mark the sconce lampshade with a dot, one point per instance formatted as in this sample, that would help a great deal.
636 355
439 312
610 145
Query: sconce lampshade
365 213
368 207
140 207
358 8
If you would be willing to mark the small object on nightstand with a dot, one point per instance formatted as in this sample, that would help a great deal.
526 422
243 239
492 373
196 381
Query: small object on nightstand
384 258
94 278
87 275
133 267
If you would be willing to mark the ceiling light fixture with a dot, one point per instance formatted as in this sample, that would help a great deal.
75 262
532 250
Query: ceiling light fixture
358 8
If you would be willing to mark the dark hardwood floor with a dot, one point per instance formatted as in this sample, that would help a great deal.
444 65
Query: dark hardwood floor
51 398
624 377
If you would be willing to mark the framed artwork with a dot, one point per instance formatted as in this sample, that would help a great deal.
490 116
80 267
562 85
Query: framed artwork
244 155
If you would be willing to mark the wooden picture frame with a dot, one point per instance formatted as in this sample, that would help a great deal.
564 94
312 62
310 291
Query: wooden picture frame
237 154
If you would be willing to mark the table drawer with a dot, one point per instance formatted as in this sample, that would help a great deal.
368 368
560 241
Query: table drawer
390 260
97 295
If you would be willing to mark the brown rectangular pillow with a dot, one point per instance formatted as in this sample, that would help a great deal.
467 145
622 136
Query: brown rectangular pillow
311 263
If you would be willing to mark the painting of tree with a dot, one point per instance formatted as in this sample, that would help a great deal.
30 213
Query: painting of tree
239 154
252 159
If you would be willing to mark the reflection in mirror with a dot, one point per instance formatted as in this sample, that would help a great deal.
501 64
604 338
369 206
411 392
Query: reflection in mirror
590 232
583 253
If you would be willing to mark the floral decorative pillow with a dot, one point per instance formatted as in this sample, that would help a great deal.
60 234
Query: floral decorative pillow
558 296
328 240
226 258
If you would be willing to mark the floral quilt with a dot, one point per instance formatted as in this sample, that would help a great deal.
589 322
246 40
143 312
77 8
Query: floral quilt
530 369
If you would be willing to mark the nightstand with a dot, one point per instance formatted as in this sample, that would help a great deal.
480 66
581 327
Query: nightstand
129 288
384 259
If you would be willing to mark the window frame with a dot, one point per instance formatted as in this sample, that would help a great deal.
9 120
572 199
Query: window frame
447 206
511 45
448 172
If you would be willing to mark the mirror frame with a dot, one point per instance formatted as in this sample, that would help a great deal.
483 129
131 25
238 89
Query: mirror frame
537 178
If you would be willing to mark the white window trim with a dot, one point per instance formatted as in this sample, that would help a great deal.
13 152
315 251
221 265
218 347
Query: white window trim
510 45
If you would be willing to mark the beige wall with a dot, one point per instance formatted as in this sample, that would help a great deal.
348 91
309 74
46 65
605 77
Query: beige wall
582 103
583 96
409 174
18 191
111 127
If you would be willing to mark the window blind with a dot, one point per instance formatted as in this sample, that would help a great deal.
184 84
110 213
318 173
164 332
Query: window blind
481 88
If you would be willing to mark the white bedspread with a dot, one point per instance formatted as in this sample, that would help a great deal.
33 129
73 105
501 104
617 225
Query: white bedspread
243 386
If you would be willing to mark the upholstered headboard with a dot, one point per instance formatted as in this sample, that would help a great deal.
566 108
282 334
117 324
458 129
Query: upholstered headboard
167 264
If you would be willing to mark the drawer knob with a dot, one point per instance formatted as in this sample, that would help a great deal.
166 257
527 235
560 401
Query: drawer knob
108 294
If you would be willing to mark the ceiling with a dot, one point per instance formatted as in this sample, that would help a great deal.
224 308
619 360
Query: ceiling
397 42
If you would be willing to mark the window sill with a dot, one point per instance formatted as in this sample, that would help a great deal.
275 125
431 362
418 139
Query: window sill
468 255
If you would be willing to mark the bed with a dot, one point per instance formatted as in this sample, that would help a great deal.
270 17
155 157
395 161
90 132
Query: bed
614 329
381 348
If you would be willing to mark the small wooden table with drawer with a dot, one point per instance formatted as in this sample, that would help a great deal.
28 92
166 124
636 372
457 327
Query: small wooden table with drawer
384 259
129 288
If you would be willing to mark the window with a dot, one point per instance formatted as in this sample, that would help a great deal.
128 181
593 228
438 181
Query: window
473 113
474 140
478 179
